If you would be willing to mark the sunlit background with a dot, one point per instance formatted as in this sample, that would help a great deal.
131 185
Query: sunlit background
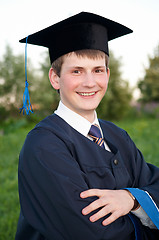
19 18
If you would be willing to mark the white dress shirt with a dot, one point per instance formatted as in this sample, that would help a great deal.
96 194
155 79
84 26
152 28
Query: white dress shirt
83 126
76 121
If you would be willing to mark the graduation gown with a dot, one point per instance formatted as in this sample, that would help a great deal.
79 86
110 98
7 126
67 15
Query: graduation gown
57 163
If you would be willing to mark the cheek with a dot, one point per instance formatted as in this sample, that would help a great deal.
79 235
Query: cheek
67 84
106 85
103 83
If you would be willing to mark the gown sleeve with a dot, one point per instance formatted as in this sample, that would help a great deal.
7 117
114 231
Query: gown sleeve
50 181
146 174
146 187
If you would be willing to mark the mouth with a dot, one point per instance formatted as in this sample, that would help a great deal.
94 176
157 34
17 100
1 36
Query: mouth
86 93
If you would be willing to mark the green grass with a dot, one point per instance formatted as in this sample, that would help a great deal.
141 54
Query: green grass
10 145
144 132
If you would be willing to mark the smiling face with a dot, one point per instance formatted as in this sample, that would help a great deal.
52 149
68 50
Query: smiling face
82 83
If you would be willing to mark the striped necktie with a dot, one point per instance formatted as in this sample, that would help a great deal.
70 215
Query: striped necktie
95 133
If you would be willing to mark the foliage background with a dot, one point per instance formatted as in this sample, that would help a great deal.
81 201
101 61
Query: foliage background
11 140
139 118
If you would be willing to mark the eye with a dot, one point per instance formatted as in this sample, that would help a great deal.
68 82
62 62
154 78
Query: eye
100 70
76 71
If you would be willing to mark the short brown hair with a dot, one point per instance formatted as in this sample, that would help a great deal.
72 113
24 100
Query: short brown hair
90 53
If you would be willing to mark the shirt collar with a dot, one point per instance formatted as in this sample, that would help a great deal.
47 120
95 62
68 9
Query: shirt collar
76 121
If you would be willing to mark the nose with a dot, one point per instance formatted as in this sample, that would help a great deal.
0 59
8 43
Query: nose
89 80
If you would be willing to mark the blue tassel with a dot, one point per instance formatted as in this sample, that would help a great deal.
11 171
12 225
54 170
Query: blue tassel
26 99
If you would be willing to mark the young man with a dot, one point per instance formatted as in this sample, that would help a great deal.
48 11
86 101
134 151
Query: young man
81 177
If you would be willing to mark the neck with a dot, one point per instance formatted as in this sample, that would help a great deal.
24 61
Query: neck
90 116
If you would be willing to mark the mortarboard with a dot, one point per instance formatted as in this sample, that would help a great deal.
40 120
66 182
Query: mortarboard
81 31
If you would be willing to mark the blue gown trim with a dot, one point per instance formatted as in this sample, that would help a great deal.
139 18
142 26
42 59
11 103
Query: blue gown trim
147 204
136 226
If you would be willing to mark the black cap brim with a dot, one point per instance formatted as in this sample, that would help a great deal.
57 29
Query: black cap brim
81 31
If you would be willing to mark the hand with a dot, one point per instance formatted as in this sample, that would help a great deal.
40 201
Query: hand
116 202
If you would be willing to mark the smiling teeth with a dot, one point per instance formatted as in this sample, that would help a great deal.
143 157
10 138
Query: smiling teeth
86 94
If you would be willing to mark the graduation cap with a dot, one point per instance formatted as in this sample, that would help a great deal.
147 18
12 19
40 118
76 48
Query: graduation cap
81 31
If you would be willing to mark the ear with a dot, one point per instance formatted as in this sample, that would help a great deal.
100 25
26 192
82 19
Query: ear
54 79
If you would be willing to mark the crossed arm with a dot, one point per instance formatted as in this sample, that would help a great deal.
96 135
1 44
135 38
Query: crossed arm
117 203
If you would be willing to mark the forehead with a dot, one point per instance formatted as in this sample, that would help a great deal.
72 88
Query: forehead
81 59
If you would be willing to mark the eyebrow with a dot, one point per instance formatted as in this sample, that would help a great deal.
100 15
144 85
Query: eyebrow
103 66
77 67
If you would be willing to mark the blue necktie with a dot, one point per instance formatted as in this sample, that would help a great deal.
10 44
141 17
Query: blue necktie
95 133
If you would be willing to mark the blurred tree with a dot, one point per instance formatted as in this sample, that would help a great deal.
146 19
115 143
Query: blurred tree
149 85
46 96
12 80
116 102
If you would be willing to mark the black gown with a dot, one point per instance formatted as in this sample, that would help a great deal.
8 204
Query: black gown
57 163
